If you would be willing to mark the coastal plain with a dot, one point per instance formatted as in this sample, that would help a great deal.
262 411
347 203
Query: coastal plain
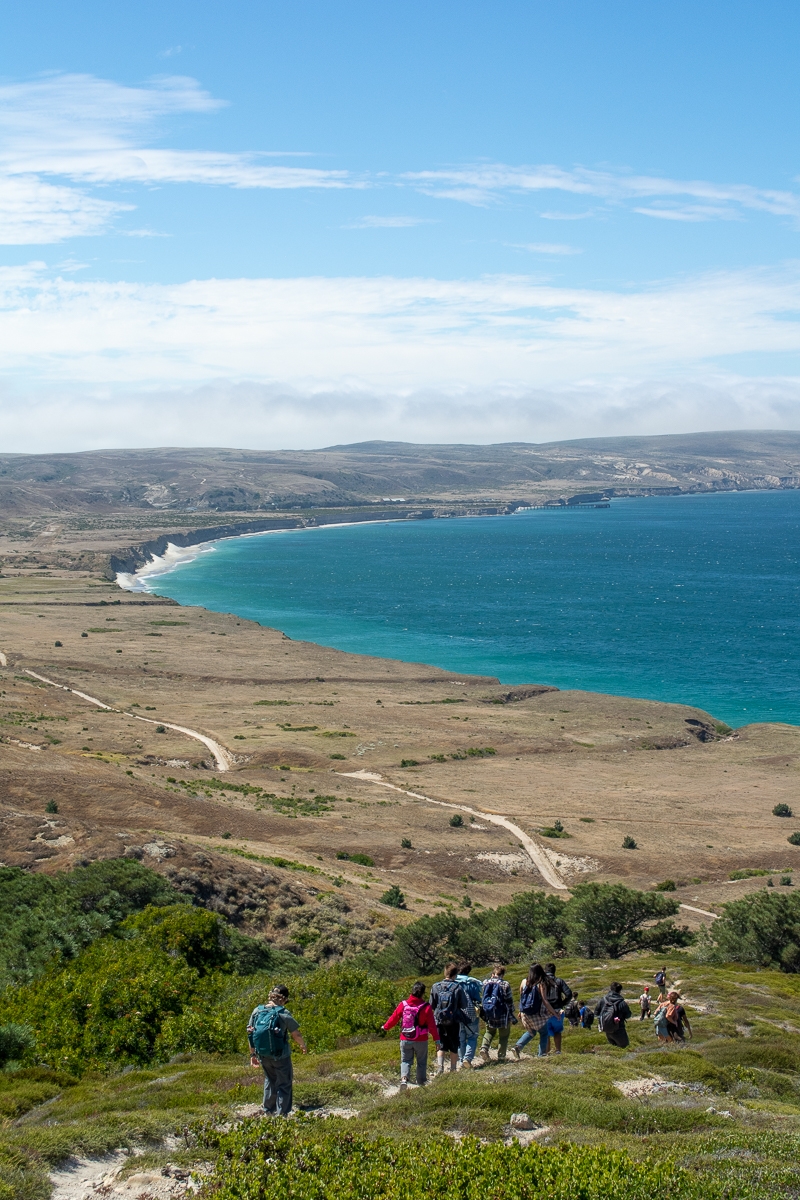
331 755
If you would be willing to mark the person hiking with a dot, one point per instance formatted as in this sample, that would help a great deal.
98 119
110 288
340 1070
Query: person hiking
269 1029
468 1030
660 1023
644 1003
676 1017
497 1010
534 1008
558 994
660 980
451 1008
416 1020
612 1013
587 1016
572 1011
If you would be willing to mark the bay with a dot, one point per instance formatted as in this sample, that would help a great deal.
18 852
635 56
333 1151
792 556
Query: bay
691 599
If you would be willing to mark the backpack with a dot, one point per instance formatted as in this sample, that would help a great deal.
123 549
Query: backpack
587 1017
496 1004
448 1009
558 991
660 978
269 1037
409 1020
610 1020
530 1001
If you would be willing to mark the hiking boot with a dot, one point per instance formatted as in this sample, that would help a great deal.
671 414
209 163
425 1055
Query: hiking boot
516 1054
485 1056
466 1064
502 1058
403 1085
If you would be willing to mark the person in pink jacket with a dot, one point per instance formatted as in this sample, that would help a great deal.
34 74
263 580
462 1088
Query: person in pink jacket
415 1017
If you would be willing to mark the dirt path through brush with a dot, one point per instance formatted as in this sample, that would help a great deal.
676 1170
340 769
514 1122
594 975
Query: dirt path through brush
536 853
222 758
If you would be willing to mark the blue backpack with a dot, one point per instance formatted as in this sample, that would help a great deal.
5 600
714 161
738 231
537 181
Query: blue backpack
269 1036
530 1002
496 1005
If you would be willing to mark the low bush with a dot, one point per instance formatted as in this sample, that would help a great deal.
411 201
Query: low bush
782 810
457 821
393 897
794 838
629 843
259 1159
666 885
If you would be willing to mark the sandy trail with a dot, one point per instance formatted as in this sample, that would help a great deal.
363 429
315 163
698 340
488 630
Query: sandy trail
222 758
534 851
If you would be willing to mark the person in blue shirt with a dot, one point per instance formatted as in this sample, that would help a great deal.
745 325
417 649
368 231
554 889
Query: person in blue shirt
468 1032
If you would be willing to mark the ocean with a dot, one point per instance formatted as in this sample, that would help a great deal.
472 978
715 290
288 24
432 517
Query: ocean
691 599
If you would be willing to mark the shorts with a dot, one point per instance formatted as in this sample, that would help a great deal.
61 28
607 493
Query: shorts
448 1036
555 1025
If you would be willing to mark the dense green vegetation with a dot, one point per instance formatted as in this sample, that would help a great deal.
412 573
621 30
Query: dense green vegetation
111 971
259 1159
48 918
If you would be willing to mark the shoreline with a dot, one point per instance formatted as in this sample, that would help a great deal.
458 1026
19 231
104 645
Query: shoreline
144 580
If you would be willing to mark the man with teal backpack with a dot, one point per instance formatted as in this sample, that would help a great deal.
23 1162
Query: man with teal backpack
268 1032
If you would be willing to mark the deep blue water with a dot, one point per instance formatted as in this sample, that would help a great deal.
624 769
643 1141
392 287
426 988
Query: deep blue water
691 599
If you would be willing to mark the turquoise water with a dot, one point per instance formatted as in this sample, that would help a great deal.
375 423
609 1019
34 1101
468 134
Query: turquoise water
691 599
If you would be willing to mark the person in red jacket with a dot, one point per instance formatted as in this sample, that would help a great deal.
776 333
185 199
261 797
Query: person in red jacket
415 1017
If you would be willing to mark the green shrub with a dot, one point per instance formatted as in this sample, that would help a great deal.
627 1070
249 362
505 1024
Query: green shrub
51 807
762 928
48 919
393 897
747 873
666 885
15 1040
607 920
782 810
409 762
405 843
629 843
457 820
335 1006
794 838
261 1159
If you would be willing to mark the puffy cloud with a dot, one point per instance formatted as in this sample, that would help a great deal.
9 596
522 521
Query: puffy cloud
275 362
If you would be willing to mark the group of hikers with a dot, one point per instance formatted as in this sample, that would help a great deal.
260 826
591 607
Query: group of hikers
451 1018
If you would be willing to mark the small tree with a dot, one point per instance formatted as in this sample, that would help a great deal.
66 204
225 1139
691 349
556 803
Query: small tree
782 810
762 928
629 843
393 897
457 820
51 807
406 843
607 920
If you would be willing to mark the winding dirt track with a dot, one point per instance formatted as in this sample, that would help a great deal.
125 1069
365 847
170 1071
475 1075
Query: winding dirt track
535 852
222 758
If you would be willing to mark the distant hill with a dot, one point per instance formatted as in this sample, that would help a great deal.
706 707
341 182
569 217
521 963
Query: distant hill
226 480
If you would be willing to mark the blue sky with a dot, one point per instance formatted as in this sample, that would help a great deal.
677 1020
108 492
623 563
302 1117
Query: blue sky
321 222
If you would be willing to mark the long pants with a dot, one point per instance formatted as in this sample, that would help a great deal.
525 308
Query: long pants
468 1040
278 1077
408 1052
619 1037
488 1038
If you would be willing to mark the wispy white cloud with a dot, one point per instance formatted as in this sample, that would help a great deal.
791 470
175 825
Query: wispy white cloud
398 222
32 211
484 184
89 131
385 334
546 247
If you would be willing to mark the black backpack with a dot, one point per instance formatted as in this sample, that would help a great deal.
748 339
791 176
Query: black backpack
610 1016
448 1009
